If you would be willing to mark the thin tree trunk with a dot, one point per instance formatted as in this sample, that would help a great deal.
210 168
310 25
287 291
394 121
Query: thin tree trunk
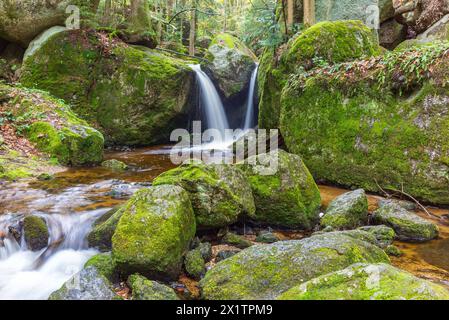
290 14
192 37
309 12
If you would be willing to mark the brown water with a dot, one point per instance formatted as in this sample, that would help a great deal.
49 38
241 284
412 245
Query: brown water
94 189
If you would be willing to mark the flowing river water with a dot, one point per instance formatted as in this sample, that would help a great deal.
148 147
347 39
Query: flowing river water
72 201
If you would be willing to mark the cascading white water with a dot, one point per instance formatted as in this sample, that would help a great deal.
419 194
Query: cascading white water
25 274
210 100
250 107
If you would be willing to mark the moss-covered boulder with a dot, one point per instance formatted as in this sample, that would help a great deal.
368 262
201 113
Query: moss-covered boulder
220 194
52 126
21 21
194 264
104 265
324 43
347 211
144 289
134 95
236 240
100 236
154 232
284 191
367 282
231 64
407 225
384 235
36 232
266 271
114 165
371 126
88 284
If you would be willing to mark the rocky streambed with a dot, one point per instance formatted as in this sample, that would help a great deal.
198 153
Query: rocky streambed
72 201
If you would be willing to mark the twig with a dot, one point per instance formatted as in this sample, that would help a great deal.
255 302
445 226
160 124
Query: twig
416 201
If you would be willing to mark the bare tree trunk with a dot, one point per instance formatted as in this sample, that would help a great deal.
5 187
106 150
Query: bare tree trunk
107 12
290 14
192 37
309 12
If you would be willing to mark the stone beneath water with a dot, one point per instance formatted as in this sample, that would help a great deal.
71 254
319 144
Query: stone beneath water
220 194
88 284
347 211
36 232
266 271
154 233
284 190
367 282
144 289
407 225
115 165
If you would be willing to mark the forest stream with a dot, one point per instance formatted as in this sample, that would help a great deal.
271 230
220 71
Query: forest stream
72 201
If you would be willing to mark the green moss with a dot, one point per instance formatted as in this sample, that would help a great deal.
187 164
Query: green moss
287 197
220 194
144 289
236 241
154 232
103 229
114 165
194 264
353 132
367 282
265 271
104 264
36 232
135 95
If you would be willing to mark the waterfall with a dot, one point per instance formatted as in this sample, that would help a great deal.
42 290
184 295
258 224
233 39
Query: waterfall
25 274
210 100
250 107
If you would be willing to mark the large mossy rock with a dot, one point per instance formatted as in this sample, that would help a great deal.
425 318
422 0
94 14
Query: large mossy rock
88 284
231 64
36 232
367 282
330 10
363 125
154 232
284 191
100 236
22 20
220 194
144 289
407 225
347 211
52 126
325 42
135 95
266 271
